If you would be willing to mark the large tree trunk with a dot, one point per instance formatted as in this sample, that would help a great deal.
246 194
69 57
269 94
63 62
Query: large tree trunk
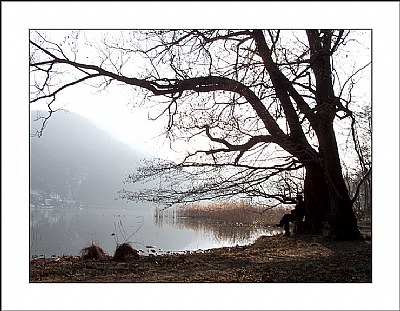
325 204
316 197
343 222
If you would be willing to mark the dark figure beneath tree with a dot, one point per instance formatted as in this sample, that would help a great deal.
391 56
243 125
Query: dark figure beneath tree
297 214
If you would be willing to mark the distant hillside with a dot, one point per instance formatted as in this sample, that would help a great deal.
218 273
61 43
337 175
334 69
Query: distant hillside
76 159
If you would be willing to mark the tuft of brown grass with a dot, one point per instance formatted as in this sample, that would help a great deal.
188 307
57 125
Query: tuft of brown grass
93 252
125 251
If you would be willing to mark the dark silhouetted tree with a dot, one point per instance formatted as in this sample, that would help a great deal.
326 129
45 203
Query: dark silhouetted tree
263 102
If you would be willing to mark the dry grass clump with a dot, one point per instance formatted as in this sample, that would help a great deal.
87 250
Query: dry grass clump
93 252
125 251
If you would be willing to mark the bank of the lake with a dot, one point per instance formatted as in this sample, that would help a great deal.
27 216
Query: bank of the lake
270 259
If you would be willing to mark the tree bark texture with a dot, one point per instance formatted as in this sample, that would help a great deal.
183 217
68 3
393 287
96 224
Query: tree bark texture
316 197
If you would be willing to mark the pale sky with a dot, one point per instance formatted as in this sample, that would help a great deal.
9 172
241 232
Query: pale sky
110 110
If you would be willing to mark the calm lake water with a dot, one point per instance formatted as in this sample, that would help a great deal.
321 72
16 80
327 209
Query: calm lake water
66 231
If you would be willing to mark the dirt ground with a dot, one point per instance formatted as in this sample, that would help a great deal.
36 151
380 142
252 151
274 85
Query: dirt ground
270 259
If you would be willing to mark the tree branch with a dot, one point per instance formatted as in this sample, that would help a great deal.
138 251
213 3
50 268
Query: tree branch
359 185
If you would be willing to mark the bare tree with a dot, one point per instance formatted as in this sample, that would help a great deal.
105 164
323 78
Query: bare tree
266 103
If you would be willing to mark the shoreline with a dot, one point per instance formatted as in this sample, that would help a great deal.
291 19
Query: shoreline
268 259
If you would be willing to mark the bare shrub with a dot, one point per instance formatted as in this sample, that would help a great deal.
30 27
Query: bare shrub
93 252
125 251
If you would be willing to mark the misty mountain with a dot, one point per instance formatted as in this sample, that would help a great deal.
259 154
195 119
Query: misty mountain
75 159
